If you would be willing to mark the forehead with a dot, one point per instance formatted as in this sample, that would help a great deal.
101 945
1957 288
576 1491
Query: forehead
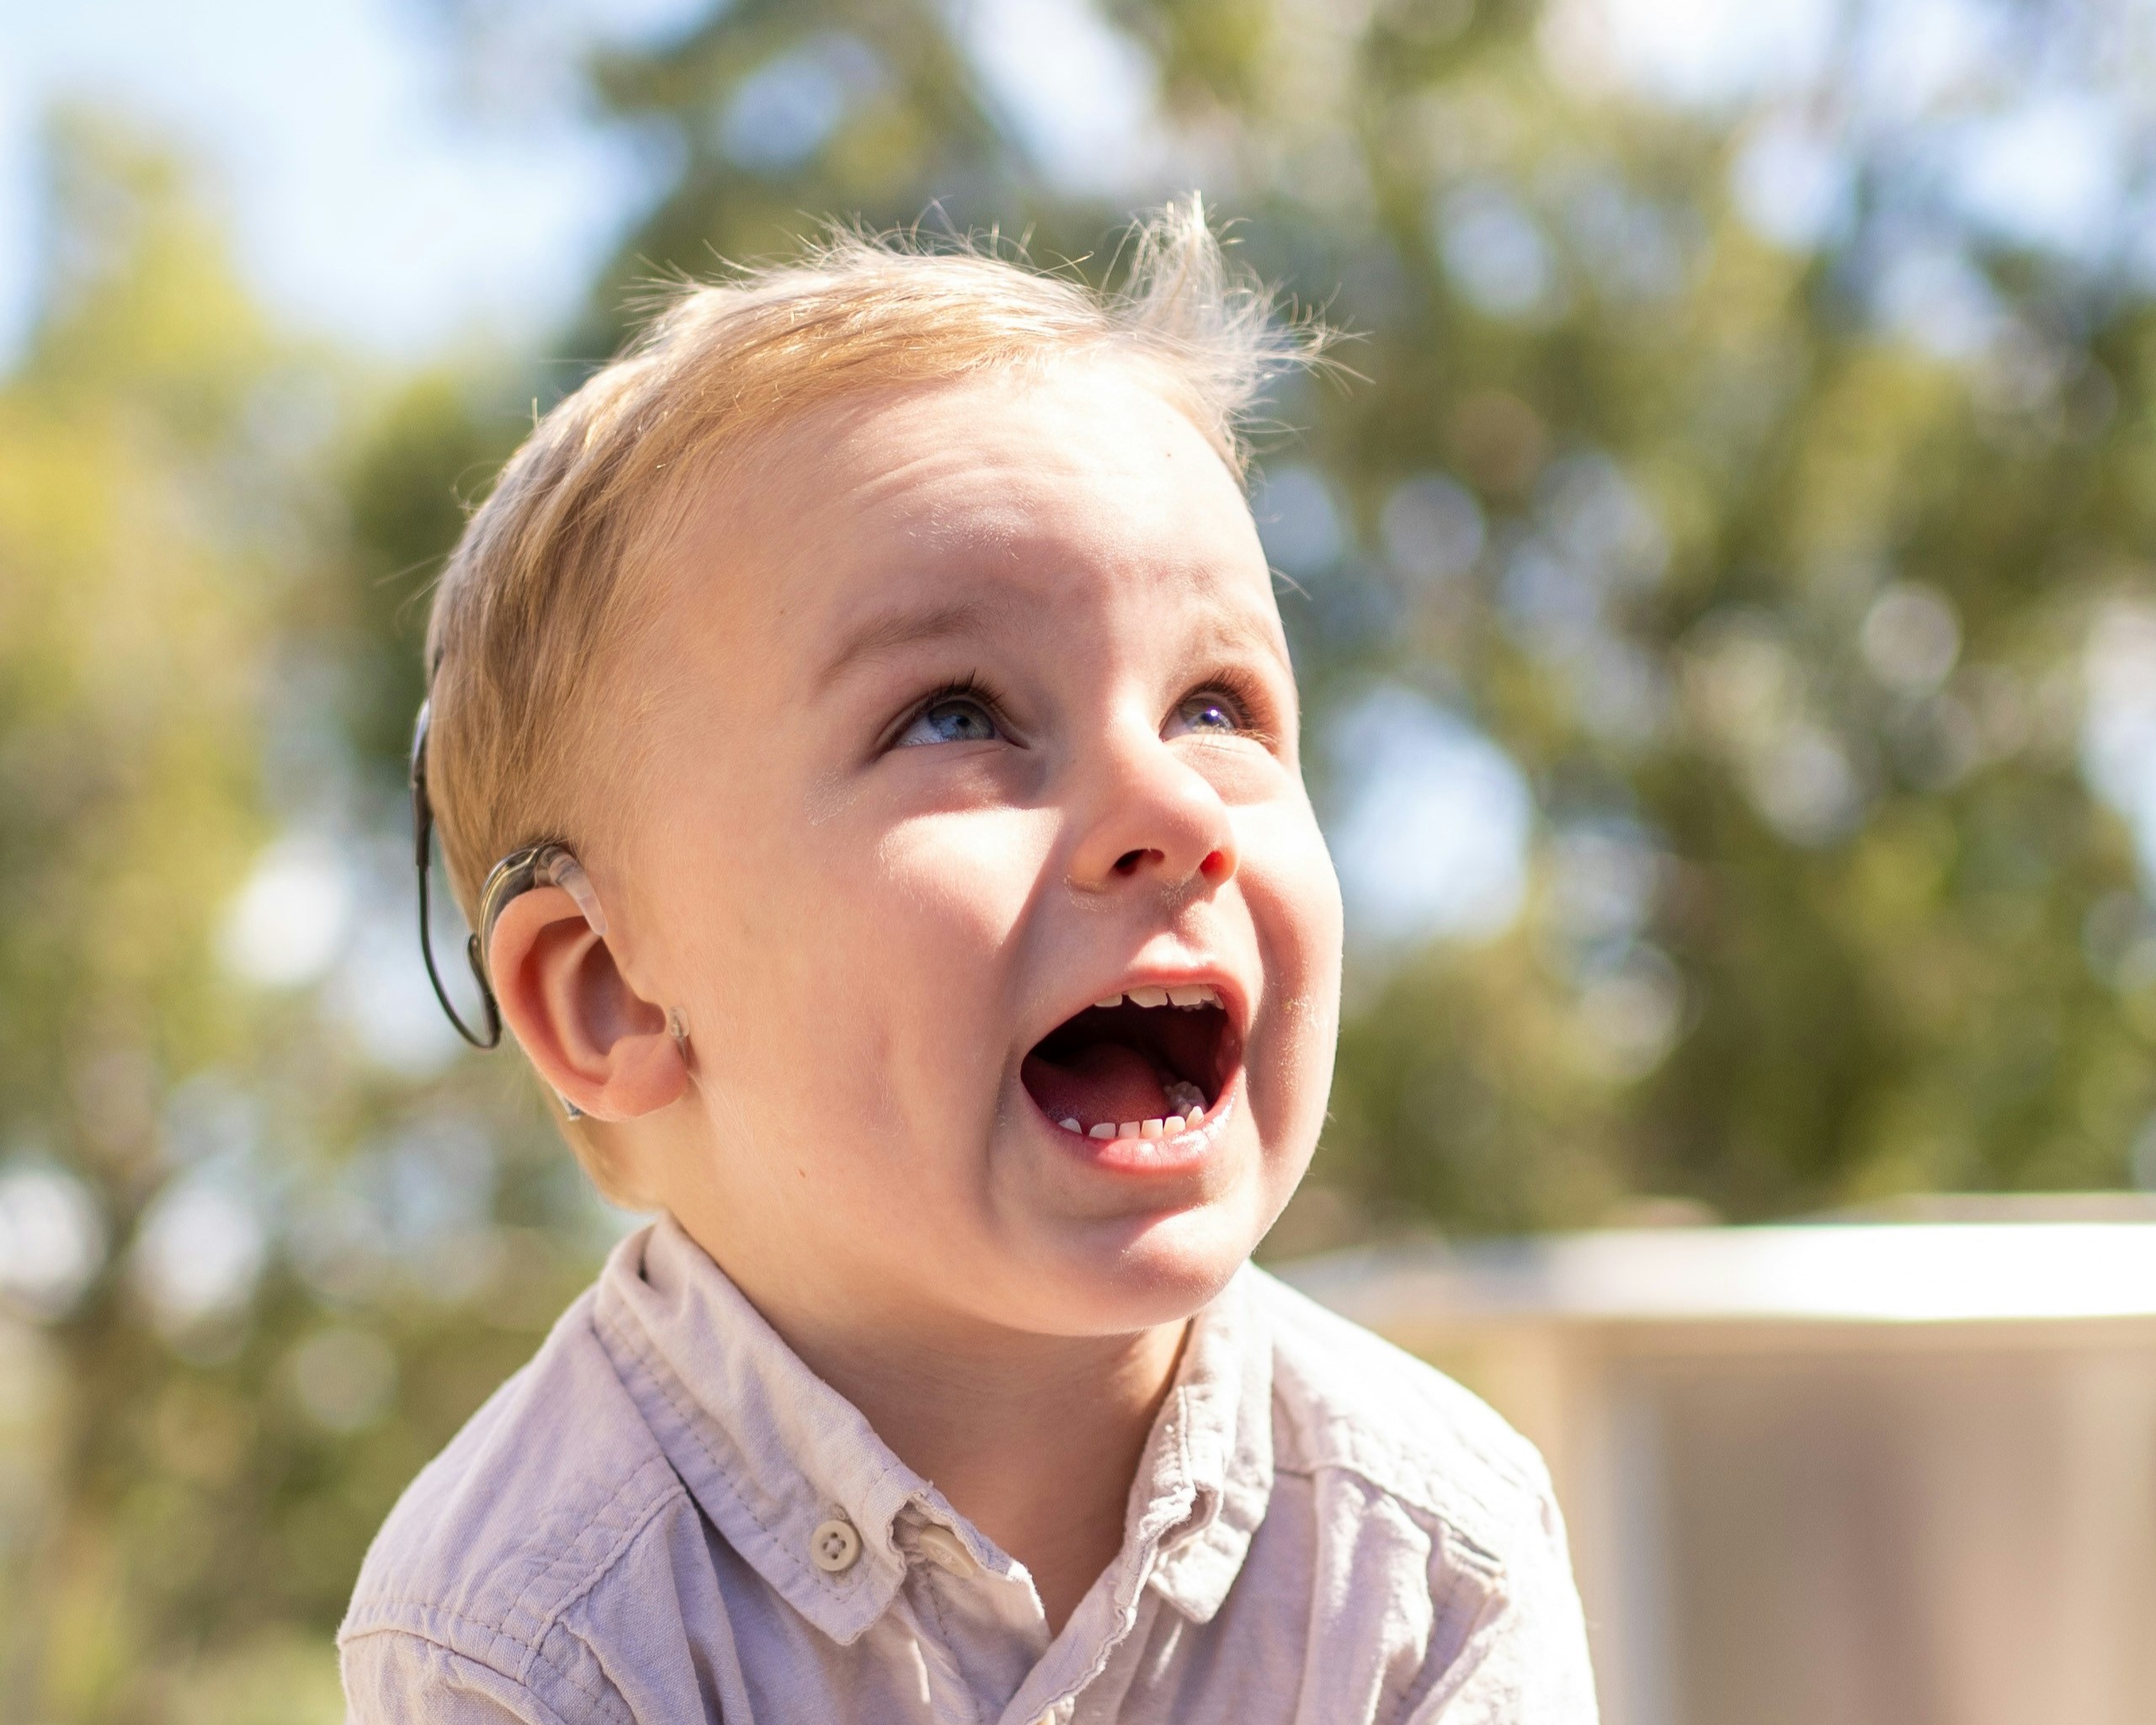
1032 501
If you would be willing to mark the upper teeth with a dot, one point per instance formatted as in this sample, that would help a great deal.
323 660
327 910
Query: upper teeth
1186 995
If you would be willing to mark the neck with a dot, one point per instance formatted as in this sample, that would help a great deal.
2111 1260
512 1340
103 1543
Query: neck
1034 1439
1037 1448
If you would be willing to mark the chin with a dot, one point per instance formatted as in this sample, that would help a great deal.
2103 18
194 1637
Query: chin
1115 1279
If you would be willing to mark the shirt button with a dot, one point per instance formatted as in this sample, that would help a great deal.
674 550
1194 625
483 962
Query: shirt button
834 1545
945 1550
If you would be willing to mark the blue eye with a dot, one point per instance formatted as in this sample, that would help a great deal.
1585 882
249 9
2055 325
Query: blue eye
954 719
1206 715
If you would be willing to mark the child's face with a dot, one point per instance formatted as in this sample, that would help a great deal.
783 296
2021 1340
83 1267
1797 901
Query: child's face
970 707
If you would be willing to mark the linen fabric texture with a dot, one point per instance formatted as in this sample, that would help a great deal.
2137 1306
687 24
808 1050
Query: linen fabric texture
1322 1529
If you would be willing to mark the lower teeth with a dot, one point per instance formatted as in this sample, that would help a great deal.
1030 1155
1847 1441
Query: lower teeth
1166 1127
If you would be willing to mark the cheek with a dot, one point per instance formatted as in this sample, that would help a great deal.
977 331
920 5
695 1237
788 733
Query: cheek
863 977
951 890
915 950
1295 904
1295 897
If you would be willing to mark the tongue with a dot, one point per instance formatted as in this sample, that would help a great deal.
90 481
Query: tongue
1104 1082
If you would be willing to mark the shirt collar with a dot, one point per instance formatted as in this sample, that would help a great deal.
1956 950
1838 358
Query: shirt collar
771 1453
1213 1441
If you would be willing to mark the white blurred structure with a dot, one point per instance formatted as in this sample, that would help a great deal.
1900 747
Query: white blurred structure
1864 1472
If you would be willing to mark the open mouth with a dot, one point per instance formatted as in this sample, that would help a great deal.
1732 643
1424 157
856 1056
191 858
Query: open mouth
1147 1064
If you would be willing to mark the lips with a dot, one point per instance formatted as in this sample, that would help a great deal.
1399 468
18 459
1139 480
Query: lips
1148 1063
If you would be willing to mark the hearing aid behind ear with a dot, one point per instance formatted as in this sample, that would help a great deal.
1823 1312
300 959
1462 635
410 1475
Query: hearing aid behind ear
549 863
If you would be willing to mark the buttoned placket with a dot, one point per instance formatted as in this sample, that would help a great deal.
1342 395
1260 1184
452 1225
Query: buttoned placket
972 1612
969 1626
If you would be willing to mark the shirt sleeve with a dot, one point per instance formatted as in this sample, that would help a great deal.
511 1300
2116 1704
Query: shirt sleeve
393 1678
1526 1662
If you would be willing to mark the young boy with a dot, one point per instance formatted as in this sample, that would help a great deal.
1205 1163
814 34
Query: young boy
863 736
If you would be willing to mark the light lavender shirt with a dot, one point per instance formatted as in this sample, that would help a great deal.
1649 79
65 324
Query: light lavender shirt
667 1517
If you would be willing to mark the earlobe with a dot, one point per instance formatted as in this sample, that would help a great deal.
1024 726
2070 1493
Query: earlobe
648 1074
605 1051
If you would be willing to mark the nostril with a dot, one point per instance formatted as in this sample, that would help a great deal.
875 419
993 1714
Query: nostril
1127 863
1215 867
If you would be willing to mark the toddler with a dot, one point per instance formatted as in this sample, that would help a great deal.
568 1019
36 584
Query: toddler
862 738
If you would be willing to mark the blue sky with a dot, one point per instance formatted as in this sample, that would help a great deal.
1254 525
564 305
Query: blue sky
386 188
371 193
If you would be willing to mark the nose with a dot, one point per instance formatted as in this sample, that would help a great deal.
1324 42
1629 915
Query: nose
1153 818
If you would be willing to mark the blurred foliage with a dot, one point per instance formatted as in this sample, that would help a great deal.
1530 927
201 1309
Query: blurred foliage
277 1269
1778 521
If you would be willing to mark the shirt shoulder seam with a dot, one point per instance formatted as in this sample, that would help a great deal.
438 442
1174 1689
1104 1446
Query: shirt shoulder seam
599 1696
449 1650
1472 1533
383 1611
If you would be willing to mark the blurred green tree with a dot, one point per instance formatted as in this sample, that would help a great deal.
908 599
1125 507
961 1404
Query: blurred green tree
250 1245
136 600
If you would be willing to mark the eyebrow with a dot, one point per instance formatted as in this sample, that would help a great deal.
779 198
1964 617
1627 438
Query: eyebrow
962 619
895 629
1240 629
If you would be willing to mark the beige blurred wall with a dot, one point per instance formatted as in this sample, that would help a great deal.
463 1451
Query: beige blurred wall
1834 1520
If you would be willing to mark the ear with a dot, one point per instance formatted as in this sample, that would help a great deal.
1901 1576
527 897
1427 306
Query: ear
590 1035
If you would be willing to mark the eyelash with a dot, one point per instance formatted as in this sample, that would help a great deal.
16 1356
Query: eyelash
1243 689
970 687
1245 696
